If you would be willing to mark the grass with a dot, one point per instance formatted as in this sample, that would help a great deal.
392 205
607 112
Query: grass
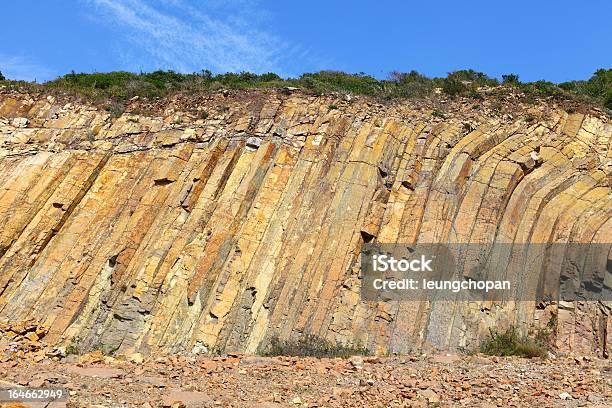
310 346
511 343
73 347
107 349
116 88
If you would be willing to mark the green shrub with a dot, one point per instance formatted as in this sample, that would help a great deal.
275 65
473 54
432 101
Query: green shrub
310 346
107 349
510 343
545 337
608 100
464 82
510 79
542 88
73 347
474 94
244 79
115 108
453 87
469 75
411 84
125 85
96 80
163 79
121 86
438 114
336 81
598 87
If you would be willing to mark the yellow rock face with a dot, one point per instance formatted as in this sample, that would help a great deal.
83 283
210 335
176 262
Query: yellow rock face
156 234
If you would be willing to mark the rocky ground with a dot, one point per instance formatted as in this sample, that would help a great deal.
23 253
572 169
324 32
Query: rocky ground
247 381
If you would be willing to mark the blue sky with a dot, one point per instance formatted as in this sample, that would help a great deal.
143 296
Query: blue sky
555 40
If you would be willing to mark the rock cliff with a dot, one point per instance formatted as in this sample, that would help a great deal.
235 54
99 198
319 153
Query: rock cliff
213 223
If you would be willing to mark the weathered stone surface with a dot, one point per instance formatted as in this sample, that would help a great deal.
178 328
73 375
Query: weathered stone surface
149 234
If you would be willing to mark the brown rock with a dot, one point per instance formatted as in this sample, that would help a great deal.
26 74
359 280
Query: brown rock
446 358
93 357
36 383
431 396
136 358
264 206
100 372
186 398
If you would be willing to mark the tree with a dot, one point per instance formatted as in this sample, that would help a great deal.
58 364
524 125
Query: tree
2 78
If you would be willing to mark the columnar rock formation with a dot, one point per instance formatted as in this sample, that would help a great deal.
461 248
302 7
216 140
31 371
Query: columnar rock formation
217 222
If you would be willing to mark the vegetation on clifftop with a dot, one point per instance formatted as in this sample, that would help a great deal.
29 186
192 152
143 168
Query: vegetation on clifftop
121 86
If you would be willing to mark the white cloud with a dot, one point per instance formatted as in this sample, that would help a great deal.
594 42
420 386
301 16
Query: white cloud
174 35
22 68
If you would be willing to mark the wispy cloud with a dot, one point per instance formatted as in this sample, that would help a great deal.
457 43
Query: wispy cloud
23 68
175 35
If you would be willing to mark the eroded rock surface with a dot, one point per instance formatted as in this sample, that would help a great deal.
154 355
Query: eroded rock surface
219 223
